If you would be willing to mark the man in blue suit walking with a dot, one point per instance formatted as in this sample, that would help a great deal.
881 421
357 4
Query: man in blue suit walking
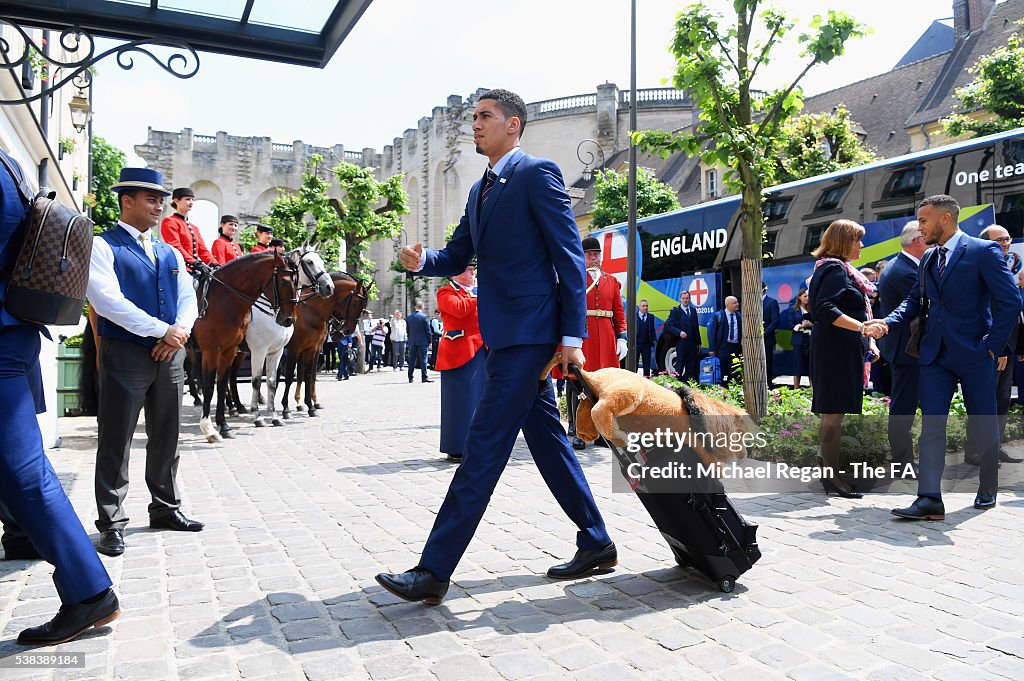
645 338
29 488
682 322
897 281
972 306
771 316
724 333
419 342
530 298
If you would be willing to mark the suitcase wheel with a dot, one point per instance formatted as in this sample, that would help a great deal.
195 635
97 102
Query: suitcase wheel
727 584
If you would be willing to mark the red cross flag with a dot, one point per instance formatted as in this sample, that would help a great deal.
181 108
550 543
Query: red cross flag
698 291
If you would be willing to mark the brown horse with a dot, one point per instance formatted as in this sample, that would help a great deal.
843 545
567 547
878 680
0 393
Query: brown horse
234 290
345 306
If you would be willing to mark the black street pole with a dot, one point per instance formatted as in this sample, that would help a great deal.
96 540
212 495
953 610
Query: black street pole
631 229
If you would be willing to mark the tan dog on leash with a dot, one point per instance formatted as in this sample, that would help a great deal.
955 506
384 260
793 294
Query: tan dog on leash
629 403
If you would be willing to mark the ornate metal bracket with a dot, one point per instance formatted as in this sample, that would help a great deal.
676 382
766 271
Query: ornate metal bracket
591 157
181 64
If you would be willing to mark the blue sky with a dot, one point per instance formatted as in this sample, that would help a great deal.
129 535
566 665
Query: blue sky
405 57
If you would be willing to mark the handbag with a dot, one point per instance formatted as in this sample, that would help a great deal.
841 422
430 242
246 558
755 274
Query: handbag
919 324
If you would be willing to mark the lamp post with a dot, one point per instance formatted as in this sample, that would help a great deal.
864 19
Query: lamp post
590 157
631 238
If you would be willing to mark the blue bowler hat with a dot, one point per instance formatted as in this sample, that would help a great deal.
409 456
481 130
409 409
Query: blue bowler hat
141 178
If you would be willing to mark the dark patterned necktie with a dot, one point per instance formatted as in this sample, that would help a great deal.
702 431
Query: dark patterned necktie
488 183
732 327
942 260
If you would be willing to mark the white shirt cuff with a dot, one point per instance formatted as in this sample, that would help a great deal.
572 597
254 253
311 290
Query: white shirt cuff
423 261
572 342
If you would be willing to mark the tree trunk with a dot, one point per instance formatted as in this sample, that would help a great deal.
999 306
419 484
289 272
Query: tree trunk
755 371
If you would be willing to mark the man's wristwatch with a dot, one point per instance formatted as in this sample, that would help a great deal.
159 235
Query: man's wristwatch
860 328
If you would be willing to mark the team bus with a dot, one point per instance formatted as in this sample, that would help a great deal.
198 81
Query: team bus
699 248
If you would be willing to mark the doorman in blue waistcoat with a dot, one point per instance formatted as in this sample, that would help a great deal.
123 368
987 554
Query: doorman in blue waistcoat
143 295
29 489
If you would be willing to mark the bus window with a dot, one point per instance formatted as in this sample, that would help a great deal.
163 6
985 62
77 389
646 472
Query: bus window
775 209
812 239
770 242
905 182
1011 214
896 214
831 197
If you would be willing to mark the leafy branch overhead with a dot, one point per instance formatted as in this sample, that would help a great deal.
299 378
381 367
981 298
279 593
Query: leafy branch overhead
997 92
368 210
741 128
611 197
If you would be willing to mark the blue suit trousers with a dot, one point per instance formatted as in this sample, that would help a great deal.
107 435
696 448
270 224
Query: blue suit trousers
514 399
977 377
29 486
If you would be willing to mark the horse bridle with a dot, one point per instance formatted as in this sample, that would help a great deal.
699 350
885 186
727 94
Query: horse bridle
276 304
359 292
314 293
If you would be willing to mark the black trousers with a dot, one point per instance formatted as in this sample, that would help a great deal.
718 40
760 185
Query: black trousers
905 399
131 381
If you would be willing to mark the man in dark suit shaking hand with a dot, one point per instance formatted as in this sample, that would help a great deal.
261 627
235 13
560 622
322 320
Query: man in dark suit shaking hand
897 281
530 298
973 305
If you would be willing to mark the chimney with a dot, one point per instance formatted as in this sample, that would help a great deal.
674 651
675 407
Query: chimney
970 16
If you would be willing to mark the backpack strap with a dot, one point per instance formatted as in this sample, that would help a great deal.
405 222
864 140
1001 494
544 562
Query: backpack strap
24 189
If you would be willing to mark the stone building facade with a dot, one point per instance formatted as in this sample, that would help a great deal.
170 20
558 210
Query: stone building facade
437 158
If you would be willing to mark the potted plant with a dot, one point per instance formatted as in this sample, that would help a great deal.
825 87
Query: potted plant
76 177
67 145
69 366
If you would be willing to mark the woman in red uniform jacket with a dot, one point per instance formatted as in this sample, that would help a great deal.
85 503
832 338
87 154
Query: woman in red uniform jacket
460 361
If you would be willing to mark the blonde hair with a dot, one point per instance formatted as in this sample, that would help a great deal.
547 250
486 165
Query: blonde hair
839 240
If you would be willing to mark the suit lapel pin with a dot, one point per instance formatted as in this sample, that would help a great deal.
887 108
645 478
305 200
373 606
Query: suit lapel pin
502 179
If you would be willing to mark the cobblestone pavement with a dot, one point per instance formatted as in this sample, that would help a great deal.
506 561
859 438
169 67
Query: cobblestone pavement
299 519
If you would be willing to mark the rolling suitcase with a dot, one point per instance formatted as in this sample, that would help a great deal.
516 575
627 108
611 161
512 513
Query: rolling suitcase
702 527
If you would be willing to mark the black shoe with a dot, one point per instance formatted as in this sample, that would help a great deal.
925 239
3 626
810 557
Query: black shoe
426 380
73 620
833 488
578 444
451 458
410 380
19 548
414 585
111 543
972 458
985 500
175 521
585 562
1006 458
923 508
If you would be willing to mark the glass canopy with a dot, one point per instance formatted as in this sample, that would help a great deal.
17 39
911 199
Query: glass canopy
304 32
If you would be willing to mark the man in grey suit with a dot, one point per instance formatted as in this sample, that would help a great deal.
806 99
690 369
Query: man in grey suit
143 295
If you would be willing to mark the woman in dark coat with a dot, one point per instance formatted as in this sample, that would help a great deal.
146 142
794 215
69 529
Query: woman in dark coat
839 298
797 320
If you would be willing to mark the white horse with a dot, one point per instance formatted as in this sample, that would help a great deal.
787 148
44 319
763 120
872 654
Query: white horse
267 339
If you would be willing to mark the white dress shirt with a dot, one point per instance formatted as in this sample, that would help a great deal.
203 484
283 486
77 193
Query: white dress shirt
106 298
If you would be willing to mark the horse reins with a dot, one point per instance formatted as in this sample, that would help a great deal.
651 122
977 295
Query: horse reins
275 304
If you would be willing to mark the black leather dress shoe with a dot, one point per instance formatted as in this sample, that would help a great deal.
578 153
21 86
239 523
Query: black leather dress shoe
985 500
1006 458
452 458
972 458
427 380
418 584
19 548
175 521
585 562
111 543
579 444
923 508
72 620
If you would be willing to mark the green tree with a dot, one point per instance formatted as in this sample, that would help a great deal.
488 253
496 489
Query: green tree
814 144
740 128
107 162
611 197
369 210
997 90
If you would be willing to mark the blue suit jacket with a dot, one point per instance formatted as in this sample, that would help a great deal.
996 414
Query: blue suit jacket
678 322
418 328
645 334
771 317
972 308
897 282
718 331
532 284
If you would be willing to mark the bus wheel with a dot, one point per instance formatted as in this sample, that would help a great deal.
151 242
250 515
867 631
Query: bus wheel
668 360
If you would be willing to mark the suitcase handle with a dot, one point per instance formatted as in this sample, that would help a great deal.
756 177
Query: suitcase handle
576 376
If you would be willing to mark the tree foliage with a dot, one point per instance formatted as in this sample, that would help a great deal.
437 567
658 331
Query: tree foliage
814 144
740 127
107 162
611 197
368 210
997 89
